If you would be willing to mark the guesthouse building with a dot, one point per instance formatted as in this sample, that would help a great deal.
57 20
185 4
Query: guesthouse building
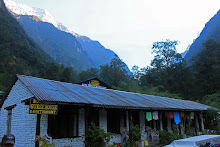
63 111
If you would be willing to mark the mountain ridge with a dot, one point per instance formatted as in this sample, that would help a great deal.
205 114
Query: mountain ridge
210 31
97 53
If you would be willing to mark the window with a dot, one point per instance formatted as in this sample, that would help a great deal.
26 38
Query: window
64 124
113 121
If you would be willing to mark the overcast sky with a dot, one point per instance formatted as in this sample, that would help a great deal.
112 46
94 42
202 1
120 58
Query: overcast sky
129 27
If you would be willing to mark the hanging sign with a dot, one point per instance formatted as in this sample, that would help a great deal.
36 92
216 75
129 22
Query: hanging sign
37 107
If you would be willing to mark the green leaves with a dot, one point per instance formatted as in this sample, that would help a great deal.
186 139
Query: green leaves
97 137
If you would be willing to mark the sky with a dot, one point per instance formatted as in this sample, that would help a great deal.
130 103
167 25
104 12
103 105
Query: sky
129 27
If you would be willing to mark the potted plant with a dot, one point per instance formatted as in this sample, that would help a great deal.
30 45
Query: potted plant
97 137
134 135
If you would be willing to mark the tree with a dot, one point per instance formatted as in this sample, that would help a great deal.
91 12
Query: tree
166 53
114 72
168 70
68 75
136 72
88 74
52 71
206 67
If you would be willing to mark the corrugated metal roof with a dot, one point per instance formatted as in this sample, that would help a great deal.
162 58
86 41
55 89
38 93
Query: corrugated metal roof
49 90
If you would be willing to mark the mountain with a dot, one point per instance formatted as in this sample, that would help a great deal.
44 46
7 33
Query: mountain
210 31
96 53
61 46
184 53
19 53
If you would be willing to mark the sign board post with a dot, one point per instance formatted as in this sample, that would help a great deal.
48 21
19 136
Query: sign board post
37 107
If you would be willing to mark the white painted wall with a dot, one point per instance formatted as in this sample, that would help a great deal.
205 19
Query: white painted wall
23 124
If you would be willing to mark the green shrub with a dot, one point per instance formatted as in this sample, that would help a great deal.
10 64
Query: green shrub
134 133
97 137
167 137
217 130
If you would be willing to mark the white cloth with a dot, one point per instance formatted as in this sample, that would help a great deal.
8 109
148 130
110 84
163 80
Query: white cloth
155 115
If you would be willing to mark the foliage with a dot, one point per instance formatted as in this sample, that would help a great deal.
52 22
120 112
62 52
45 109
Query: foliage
43 142
206 68
211 120
97 137
165 53
167 70
114 72
88 74
212 100
134 133
20 55
188 122
136 72
166 137
217 130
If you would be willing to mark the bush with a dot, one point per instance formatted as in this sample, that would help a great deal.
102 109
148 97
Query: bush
217 130
167 137
134 135
97 137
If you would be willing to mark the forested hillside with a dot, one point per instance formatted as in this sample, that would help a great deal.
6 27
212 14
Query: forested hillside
19 54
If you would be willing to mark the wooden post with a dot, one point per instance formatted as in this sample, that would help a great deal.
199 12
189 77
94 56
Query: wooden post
38 129
86 124
169 125
161 120
202 123
127 120
197 122
155 125
181 127
142 126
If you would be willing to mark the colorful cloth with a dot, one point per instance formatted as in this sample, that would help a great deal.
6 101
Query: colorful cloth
176 117
171 116
155 115
182 114
148 116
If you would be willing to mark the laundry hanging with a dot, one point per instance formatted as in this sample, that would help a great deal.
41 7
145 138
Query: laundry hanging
148 116
171 115
155 115
176 117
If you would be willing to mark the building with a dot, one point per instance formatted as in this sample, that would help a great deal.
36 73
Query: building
34 106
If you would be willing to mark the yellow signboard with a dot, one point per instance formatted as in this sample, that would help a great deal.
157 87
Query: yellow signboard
37 107
94 82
